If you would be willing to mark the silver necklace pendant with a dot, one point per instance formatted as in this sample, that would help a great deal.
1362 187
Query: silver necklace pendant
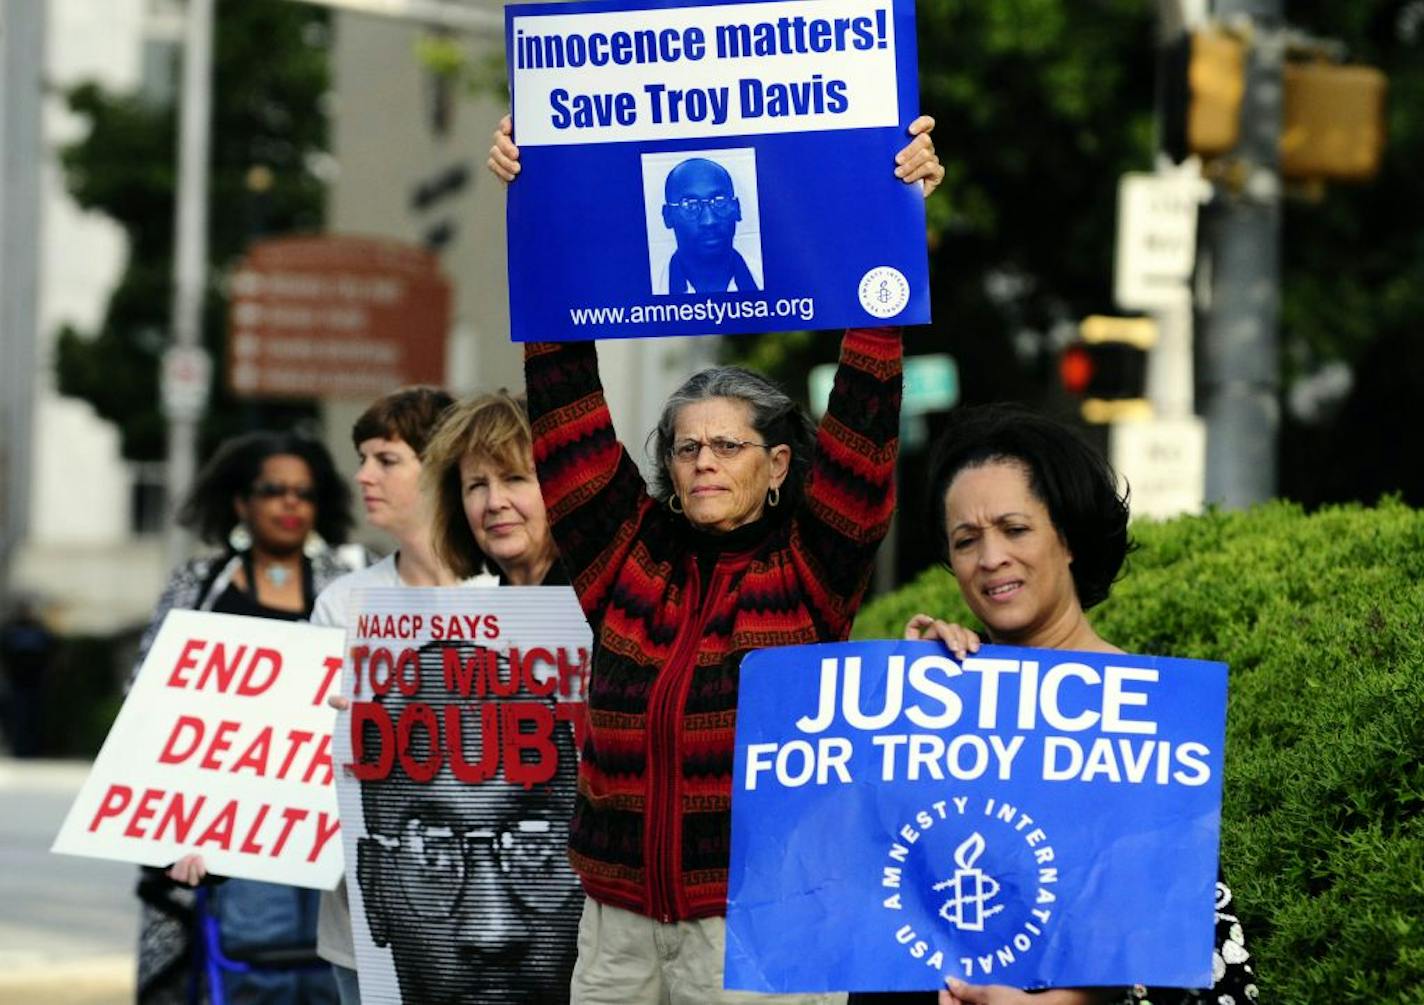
277 575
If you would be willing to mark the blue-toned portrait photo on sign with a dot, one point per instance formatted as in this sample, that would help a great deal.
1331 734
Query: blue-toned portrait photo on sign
712 168
704 235
1030 817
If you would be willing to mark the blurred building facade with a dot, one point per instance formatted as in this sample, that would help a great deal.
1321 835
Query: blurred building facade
79 519
81 525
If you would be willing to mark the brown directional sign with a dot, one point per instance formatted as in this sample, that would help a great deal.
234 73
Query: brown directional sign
345 317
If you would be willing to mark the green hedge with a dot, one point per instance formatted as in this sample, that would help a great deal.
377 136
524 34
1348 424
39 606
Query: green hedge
1321 618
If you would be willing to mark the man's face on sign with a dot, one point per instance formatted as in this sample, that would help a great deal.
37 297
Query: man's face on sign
469 883
701 208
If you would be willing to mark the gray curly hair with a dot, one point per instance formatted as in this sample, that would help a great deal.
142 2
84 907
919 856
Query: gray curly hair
776 418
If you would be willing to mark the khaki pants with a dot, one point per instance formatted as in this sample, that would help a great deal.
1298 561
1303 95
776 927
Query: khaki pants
627 959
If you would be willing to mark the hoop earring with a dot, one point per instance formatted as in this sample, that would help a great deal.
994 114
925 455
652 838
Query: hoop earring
239 538
675 504
773 497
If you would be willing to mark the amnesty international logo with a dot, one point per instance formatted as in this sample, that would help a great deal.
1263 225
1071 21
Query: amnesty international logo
884 291
970 885
972 890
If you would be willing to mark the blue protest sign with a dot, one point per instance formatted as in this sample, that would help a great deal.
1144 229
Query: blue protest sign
1027 817
712 168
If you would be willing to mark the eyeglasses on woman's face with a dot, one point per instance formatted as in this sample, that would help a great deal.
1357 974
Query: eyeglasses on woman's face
722 447
281 490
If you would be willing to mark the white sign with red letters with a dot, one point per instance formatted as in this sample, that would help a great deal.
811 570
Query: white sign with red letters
222 749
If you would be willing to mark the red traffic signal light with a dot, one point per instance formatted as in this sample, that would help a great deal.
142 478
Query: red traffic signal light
1107 367
1075 368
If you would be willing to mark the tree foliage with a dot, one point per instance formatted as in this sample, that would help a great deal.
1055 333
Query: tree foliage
270 78
1040 106
1353 281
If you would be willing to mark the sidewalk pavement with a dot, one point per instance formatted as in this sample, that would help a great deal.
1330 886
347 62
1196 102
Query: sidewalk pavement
68 926
95 980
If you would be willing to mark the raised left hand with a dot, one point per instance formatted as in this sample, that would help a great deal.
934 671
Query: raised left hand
917 160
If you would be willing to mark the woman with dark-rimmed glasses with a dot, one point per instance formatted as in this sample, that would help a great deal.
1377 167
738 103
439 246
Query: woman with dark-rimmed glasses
758 530
272 502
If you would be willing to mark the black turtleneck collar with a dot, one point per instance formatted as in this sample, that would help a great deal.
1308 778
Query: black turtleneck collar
708 545
748 535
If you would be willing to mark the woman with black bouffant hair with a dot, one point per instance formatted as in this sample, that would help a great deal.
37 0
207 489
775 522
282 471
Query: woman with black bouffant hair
272 503
214 507
1032 525
1087 521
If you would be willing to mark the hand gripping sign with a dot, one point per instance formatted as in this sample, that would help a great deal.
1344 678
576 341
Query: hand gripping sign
1026 816
222 748
712 168
457 779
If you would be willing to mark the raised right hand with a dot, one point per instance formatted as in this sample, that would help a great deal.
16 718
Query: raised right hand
504 155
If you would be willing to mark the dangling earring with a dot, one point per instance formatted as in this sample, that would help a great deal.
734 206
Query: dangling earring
314 545
675 504
773 497
239 538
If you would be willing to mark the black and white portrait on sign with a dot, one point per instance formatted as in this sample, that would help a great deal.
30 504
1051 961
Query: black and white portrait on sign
465 766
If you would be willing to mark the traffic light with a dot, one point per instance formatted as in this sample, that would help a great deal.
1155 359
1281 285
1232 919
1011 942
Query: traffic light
1333 126
1202 81
1107 367
1333 115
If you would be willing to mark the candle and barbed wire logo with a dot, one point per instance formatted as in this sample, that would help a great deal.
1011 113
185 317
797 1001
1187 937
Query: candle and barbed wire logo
884 291
971 885
972 891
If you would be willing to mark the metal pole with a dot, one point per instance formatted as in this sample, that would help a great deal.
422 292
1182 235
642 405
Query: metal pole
1170 383
1240 364
22 45
190 255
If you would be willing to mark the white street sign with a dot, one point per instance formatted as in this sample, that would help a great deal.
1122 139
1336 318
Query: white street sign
183 382
1164 464
1156 239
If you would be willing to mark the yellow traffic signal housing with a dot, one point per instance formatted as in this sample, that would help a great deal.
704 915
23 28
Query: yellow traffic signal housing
1333 126
1202 77
1216 80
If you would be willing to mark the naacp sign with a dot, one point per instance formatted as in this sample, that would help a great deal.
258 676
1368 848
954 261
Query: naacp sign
458 765
1024 816
712 168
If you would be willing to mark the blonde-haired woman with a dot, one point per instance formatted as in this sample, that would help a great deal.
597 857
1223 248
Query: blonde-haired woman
489 515
479 473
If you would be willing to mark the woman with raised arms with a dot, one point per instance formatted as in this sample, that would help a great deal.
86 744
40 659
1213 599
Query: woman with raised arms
756 531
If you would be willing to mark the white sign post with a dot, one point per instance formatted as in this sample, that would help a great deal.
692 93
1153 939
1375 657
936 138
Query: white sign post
223 749
1155 258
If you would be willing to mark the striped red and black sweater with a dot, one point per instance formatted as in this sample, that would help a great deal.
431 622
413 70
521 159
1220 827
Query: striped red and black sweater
673 611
